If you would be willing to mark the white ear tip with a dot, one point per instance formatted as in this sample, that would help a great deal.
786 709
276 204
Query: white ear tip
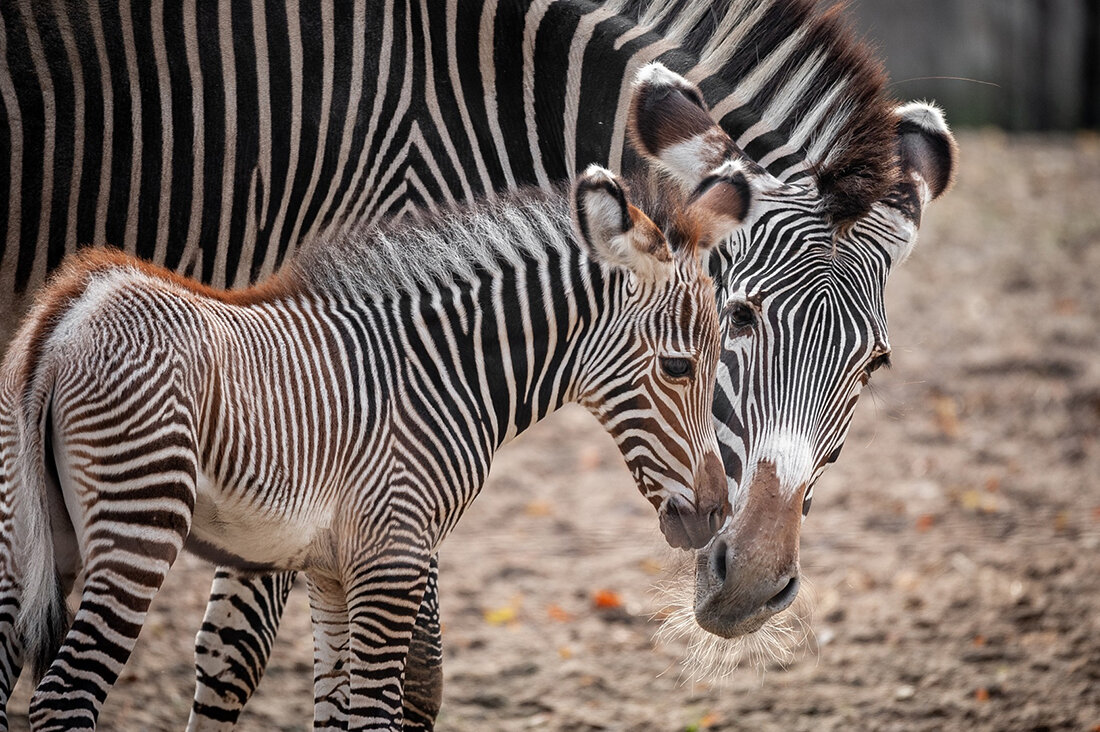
925 115
728 168
598 172
658 74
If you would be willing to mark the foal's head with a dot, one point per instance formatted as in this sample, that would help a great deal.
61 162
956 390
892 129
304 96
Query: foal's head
649 375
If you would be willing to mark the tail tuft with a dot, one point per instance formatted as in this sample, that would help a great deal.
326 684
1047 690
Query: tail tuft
53 629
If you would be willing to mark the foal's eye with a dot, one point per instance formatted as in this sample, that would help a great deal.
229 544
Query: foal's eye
677 368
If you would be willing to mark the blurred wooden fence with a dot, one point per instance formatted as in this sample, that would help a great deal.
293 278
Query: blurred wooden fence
1043 56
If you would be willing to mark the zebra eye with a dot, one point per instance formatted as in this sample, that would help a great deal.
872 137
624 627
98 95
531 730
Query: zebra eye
739 317
677 368
883 359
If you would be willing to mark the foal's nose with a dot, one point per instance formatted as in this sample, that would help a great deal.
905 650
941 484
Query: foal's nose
688 526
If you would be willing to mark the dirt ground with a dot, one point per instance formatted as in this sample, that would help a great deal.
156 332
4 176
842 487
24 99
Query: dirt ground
951 554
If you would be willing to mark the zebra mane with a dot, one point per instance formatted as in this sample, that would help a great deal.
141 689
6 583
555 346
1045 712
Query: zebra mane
794 87
454 242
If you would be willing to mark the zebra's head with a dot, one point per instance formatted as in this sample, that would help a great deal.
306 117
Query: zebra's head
650 378
800 301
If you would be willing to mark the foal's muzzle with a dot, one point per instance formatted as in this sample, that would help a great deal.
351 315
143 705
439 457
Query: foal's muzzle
688 526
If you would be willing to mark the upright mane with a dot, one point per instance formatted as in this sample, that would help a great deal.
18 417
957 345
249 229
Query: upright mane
400 256
795 88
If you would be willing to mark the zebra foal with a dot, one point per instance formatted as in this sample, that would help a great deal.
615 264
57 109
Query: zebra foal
339 418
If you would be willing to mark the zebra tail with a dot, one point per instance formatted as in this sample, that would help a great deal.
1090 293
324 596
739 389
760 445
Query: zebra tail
44 617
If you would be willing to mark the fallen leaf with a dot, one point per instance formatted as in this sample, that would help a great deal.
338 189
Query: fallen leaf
709 720
925 522
606 599
946 411
1066 306
539 508
978 641
565 652
501 615
589 458
556 612
982 694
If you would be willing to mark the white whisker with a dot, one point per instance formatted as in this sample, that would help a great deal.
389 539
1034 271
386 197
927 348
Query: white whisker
709 658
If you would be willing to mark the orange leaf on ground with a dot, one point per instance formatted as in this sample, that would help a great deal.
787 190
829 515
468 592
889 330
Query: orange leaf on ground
556 612
606 599
709 720
589 458
539 508
925 522
982 694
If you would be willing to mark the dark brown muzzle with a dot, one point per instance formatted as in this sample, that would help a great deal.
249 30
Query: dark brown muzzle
687 526
750 572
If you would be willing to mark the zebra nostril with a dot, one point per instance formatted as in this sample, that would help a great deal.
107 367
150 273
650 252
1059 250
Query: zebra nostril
718 561
784 597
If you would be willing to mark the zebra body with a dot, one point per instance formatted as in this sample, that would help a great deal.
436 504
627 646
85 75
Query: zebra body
339 418
439 118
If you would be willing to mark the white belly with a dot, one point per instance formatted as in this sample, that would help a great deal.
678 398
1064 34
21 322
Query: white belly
256 535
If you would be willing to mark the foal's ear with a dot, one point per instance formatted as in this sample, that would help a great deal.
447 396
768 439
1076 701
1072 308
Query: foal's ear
669 125
612 230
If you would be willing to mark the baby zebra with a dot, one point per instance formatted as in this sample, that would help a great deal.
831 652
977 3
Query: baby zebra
339 418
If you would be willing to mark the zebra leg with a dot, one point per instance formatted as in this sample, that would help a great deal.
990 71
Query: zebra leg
328 609
11 651
424 669
384 597
126 566
234 643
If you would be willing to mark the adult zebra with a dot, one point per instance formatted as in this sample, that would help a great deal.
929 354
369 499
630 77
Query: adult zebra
388 110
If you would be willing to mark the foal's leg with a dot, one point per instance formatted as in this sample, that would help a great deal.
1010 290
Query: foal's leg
233 646
11 651
384 594
424 667
328 609
134 529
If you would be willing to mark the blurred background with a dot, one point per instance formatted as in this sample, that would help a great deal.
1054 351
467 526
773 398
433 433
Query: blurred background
1035 63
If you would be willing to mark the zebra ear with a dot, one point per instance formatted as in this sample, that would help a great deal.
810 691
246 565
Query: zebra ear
613 231
720 204
927 156
669 124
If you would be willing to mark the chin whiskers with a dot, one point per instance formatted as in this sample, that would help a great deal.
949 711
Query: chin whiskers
708 658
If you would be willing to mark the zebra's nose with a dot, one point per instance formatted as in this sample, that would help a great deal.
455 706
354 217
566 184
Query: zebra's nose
688 526
737 594
685 526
